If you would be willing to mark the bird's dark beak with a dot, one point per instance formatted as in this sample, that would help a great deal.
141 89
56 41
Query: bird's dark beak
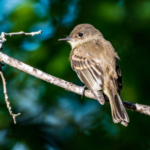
65 39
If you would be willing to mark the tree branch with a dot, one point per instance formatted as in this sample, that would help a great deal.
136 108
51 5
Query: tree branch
64 84
3 34
51 79
6 98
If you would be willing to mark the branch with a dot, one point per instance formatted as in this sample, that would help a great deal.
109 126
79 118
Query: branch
64 84
3 34
6 99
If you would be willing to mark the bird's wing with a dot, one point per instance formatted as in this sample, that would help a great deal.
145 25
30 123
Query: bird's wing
119 79
90 73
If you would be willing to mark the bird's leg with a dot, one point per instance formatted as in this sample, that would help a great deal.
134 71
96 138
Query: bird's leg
84 87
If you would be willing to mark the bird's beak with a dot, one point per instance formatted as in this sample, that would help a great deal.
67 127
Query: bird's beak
65 39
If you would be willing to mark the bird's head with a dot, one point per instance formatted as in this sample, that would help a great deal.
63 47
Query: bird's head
82 33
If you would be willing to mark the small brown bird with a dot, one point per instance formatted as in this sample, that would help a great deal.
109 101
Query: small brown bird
96 63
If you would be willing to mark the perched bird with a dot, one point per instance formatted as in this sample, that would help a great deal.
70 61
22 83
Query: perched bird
96 63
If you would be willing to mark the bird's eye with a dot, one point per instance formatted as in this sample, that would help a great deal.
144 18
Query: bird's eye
80 34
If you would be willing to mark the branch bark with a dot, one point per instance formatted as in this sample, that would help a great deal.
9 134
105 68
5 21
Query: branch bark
64 84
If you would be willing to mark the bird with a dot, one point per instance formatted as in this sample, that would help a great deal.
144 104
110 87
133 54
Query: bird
95 61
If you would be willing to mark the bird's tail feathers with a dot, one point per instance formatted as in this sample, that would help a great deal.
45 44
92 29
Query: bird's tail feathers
118 111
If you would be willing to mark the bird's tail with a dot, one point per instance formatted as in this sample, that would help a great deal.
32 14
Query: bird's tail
118 111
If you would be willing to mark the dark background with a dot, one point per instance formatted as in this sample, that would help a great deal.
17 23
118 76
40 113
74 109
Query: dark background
51 117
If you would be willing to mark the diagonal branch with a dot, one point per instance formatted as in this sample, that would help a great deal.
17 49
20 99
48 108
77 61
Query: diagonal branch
64 84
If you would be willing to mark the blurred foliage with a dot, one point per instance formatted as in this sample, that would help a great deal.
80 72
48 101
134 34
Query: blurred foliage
55 119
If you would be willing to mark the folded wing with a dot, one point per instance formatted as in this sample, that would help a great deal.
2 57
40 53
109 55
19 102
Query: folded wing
90 74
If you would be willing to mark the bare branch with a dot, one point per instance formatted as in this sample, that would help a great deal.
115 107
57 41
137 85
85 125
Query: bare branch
6 98
23 33
51 79
64 84
3 34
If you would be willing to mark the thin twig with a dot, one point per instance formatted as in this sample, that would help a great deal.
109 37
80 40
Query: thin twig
64 84
3 34
23 33
6 98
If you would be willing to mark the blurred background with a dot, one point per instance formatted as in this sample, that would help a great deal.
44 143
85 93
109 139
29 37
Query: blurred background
51 117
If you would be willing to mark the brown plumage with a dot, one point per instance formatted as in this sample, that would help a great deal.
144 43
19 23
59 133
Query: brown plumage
96 64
